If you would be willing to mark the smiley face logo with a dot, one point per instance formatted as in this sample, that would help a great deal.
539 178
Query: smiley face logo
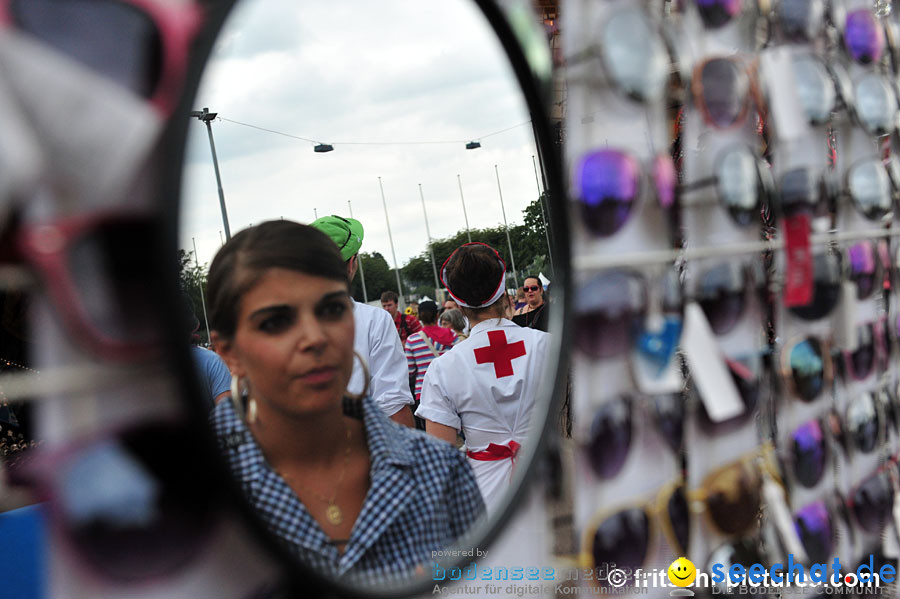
682 572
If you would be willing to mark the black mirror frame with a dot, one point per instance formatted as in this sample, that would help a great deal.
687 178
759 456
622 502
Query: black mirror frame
300 579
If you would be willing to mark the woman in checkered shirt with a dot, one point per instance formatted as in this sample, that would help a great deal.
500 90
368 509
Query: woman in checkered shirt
340 485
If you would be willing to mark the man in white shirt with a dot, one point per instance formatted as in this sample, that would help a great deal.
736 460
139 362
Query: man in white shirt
376 339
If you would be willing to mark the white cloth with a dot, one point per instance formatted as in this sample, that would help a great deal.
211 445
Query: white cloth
462 393
377 341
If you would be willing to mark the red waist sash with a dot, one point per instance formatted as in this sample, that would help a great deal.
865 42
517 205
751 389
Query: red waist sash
496 452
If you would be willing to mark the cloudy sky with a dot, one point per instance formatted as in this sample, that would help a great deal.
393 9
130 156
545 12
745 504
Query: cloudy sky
376 80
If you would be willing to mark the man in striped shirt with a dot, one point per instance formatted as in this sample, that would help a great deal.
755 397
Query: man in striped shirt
424 346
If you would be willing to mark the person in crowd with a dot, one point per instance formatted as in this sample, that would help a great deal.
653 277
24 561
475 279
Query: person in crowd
455 320
215 380
426 345
520 299
532 314
405 323
450 305
413 308
340 486
374 339
486 385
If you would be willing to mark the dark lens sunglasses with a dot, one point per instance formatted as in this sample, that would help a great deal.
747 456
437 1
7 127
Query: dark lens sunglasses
612 307
827 276
613 429
806 368
532 288
128 504
816 530
142 45
731 495
863 36
95 270
871 354
743 185
722 291
626 536
610 183
749 374
871 501
724 89
808 455
800 20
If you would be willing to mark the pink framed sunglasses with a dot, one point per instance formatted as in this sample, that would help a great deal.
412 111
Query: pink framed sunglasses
141 44
95 270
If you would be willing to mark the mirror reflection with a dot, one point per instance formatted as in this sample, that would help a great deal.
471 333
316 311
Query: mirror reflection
400 136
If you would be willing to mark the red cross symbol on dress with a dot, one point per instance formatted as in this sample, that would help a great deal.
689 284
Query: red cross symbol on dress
500 353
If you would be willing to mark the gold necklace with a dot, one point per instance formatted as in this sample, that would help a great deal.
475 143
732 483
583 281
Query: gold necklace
333 513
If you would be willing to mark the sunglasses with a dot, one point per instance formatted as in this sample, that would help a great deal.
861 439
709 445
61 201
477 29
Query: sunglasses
613 429
612 307
142 45
864 423
95 270
863 36
827 276
872 500
871 351
721 291
808 454
865 268
128 504
723 88
748 372
800 20
718 13
743 185
625 536
633 55
610 183
532 288
731 495
815 529
806 368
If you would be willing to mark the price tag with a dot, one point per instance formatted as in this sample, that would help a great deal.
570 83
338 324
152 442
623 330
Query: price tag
709 371
798 279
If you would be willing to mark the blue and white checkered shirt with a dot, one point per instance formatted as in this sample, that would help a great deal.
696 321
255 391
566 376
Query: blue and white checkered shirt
422 498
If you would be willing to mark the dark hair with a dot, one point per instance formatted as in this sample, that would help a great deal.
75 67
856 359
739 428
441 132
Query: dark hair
536 278
428 312
472 274
390 296
242 261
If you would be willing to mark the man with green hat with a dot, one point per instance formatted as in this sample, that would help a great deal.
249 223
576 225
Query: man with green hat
376 339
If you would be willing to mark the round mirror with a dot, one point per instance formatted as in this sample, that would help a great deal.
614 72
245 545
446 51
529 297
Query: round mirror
399 133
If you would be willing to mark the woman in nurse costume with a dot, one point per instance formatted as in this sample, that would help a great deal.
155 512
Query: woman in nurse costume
486 385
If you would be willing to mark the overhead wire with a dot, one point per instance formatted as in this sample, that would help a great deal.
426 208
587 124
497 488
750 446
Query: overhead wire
374 143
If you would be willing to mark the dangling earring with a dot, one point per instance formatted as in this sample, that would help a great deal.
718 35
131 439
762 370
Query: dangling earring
238 391
352 404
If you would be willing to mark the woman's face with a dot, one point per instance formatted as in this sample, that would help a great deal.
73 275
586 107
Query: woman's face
293 342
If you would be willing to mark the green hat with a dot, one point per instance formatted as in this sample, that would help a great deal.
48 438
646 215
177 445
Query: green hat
347 233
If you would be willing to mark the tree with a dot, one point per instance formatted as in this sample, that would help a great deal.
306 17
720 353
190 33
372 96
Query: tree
193 279
379 277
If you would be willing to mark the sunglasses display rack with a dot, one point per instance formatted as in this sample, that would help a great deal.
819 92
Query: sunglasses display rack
736 321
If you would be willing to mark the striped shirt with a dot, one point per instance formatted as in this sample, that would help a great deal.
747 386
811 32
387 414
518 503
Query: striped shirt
419 356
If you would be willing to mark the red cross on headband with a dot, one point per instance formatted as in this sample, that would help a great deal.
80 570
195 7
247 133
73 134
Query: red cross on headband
500 285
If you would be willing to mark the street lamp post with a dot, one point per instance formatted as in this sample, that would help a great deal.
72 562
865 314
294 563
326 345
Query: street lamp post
391 238
362 275
508 241
468 232
206 116
543 213
437 284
